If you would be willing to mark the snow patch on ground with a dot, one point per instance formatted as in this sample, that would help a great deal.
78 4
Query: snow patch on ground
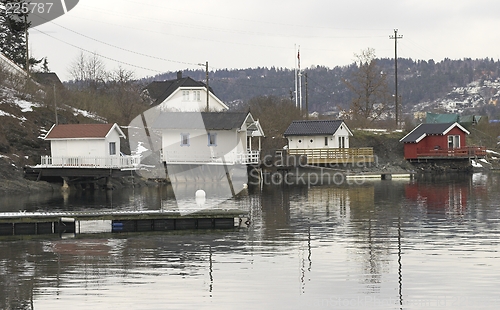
87 114
13 96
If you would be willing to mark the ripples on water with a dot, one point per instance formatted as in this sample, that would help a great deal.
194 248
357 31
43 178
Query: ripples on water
427 244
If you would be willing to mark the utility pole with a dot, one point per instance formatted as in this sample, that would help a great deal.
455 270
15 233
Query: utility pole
395 37
307 99
55 105
208 90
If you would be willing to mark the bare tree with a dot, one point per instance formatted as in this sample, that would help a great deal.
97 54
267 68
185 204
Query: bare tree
275 115
125 95
88 71
372 98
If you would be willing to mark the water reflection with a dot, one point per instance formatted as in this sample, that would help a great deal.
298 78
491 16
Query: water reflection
382 245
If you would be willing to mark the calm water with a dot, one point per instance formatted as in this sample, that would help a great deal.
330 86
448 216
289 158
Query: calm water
432 243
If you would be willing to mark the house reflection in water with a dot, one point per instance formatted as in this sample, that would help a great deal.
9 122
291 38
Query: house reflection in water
448 198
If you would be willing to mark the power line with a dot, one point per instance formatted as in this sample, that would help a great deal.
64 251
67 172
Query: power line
124 49
97 54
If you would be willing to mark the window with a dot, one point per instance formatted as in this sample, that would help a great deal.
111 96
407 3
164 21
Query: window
454 142
196 95
326 141
184 139
112 148
185 95
212 139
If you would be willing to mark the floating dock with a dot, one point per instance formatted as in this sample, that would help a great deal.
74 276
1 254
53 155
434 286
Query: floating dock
38 223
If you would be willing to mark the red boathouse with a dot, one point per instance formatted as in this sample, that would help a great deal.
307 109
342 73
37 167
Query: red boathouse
439 141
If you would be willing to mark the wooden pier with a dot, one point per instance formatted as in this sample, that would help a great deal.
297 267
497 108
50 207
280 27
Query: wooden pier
39 223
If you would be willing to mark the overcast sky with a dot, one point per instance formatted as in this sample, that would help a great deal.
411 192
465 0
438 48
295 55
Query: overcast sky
150 37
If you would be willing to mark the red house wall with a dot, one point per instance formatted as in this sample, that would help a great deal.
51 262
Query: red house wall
430 142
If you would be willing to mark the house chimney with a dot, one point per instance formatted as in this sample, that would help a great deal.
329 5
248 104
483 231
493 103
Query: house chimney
179 75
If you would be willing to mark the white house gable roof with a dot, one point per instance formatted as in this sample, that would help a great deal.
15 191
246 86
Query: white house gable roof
163 91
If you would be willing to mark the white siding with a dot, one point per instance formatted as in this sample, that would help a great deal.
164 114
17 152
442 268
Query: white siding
186 100
228 143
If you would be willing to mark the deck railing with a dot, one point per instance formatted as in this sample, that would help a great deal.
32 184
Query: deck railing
249 157
363 154
118 162
462 152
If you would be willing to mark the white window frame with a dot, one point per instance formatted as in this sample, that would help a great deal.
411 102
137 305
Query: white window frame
212 142
112 148
196 95
185 139
454 141
342 142
185 95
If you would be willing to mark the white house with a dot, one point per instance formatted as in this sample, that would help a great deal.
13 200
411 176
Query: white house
183 95
209 137
11 67
86 146
324 141
318 134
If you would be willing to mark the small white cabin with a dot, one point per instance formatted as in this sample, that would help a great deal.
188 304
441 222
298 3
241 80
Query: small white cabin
318 134
183 95
324 142
85 145
209 137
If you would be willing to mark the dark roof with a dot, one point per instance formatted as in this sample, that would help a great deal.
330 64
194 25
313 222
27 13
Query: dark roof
161 90
48 78
313 128
200 120
78 131
423 130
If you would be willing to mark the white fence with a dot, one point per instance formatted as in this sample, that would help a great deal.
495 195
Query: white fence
250 157
117 162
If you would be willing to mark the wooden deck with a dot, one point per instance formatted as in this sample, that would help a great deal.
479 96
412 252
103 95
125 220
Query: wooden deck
463 152
336 156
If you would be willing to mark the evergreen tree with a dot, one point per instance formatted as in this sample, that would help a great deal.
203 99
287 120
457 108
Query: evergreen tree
13 29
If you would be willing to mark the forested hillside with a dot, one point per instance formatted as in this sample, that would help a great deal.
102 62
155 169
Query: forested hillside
419 82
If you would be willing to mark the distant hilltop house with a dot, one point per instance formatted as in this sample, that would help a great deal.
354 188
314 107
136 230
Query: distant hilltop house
439 141
323 142
209 137
183 95
86 146
48 79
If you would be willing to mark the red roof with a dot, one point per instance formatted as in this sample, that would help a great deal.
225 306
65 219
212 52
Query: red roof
78 131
